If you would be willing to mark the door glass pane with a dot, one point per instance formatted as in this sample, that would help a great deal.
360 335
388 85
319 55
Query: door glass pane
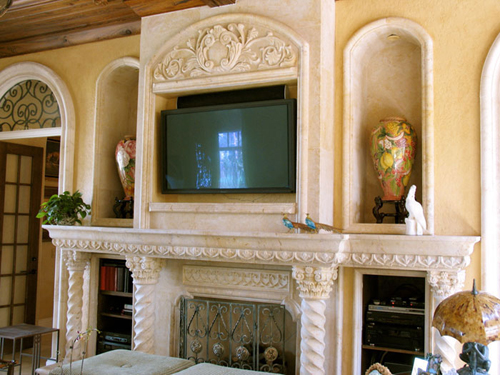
4 317
8 229
7 259
5 290
11 171
23 223
24 199
26 169
21 258
20 289
18 317
10 199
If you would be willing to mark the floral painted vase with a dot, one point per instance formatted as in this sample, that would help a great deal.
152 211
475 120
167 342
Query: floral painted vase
392 146
125 161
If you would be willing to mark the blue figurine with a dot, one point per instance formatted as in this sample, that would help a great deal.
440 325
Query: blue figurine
310 223
287 222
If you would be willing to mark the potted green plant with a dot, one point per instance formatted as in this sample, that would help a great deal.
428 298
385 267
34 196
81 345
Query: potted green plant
64 209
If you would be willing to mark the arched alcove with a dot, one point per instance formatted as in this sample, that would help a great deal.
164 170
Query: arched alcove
116 117
387 73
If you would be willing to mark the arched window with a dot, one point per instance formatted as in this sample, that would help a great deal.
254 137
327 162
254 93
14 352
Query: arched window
29 104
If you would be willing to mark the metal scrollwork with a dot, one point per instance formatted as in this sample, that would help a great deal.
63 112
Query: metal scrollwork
241 335
29 105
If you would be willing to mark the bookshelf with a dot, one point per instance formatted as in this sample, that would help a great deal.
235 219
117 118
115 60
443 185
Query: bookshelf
115 305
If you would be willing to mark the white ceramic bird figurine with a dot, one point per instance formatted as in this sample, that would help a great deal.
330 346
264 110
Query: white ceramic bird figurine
416 214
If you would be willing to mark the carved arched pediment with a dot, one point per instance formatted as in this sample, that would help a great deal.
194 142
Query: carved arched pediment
224 49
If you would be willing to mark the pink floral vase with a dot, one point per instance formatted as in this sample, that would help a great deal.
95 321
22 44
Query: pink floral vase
125 161
392 146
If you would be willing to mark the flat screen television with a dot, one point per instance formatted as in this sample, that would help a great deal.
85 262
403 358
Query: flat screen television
234 148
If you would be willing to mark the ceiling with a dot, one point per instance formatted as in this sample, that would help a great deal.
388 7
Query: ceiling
39 25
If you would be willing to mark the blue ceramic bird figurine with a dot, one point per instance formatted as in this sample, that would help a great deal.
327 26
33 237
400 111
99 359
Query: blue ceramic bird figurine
314 226
287 222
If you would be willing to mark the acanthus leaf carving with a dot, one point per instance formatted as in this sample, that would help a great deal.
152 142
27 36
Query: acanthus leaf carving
444 284
315 283
144 270
222 49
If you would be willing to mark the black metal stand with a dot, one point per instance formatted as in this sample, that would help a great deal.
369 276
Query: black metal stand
400 214
124 208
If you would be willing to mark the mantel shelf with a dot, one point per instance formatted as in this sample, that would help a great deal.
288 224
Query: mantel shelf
352 250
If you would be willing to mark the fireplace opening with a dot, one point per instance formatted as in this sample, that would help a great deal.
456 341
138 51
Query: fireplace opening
246 335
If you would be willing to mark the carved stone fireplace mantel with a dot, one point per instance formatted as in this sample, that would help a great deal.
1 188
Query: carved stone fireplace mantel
313 261
448 253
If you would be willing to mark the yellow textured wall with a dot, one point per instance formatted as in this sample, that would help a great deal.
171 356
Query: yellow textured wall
463 32
79 67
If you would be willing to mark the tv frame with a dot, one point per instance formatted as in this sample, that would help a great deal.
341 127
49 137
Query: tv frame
291 141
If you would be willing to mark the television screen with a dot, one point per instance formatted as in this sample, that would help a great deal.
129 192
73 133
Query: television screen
236 148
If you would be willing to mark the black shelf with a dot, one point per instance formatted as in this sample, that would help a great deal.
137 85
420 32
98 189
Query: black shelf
392 336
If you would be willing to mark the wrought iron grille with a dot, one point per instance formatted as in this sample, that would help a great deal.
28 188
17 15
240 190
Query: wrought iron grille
242 335
28 105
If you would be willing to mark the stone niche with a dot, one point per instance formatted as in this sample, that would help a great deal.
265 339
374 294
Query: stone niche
388 72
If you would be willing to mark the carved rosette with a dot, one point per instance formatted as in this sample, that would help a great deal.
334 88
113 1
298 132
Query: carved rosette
228 48
145 272
444 284
76 263
315 285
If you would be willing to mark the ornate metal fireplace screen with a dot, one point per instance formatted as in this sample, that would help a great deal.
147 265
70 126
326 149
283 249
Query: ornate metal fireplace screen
242 335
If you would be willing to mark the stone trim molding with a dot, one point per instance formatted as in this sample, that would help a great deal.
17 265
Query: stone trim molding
445 253
224 48
242 279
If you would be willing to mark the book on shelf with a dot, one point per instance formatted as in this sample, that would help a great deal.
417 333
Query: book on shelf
115 278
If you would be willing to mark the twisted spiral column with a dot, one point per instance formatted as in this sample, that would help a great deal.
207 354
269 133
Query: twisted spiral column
443 285
315 285
145 272
77 263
